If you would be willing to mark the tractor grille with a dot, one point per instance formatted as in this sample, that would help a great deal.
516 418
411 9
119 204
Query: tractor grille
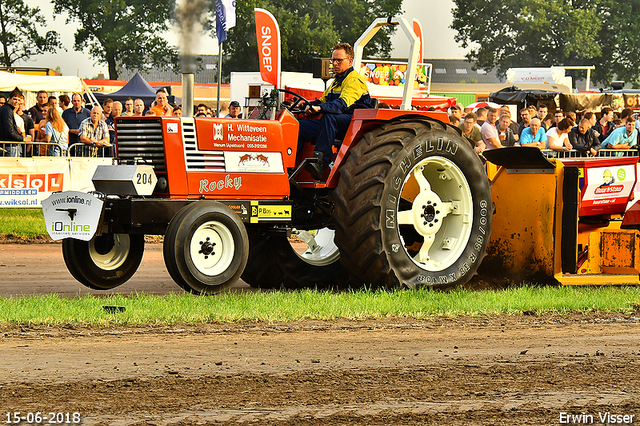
196 159
141 141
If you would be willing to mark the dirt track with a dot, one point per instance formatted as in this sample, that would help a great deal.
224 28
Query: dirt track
514 370
523 370
40 269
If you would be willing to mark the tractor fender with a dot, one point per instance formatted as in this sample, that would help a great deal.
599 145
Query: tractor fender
366 120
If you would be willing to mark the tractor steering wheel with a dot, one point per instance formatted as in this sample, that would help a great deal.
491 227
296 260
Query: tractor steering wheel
296 101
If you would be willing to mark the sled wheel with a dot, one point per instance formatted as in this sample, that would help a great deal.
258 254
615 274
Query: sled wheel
106 261
206 247
412 207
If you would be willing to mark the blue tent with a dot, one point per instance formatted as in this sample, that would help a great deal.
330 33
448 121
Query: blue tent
135 88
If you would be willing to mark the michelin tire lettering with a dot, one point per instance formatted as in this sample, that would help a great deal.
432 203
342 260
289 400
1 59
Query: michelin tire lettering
417 153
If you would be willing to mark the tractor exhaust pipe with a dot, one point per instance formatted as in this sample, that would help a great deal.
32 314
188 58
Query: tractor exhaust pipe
190 15
188 82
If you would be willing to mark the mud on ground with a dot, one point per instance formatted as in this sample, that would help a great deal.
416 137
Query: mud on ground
504 370
522 369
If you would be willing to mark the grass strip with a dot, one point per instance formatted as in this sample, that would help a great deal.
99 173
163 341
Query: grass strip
283 306
22 222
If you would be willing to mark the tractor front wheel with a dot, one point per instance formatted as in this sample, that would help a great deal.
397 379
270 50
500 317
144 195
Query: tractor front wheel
206 247
262 270
314 264
275 262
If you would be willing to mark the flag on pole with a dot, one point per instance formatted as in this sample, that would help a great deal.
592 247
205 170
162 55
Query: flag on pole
268 37
417 29
225 18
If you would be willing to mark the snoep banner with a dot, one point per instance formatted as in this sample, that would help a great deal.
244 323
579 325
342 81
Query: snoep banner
417 29
268 36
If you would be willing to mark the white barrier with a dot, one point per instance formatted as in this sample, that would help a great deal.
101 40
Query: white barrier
25 182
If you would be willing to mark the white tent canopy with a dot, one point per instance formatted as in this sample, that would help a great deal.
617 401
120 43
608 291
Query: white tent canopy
35 83
32 84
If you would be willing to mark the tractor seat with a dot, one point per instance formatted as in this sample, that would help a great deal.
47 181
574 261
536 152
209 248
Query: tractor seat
338 141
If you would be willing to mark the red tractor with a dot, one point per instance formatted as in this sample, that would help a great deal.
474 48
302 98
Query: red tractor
407 202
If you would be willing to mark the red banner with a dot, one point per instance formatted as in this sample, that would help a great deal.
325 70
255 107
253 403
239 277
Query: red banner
268 36
417 29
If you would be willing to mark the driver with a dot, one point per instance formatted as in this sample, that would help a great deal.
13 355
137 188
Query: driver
347 92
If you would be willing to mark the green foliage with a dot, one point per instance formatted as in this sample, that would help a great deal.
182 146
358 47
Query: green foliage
620 41
22 222
308 29
19 33
126 33
279 306
528 33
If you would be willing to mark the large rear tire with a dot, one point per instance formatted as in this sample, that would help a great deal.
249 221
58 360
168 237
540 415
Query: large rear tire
412 207
205 247
105 262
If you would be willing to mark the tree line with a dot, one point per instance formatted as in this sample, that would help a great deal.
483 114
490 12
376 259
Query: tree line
127 34
541 33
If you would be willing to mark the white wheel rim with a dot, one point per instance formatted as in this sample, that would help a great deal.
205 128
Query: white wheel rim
441 213
212 248
116 257
321 247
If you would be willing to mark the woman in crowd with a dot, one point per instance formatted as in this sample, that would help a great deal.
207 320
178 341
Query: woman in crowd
558 137
56 131
64 101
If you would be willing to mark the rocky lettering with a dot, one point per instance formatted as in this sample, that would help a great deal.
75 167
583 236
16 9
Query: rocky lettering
227 183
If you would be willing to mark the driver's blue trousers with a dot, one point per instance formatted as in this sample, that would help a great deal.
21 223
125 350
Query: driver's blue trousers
322 132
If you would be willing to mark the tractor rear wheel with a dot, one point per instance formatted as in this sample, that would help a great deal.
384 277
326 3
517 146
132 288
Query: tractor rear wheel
206 247
413 206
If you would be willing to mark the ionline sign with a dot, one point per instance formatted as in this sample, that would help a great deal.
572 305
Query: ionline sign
72 227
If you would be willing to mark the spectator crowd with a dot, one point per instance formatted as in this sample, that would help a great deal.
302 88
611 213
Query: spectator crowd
61 126
586 133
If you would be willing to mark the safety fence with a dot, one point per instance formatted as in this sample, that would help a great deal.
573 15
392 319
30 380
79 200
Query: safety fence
50 149
550 153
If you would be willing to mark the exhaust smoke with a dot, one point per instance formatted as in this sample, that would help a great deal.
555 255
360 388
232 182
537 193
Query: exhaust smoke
190 15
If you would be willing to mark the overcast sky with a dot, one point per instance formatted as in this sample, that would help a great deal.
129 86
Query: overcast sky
434 15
